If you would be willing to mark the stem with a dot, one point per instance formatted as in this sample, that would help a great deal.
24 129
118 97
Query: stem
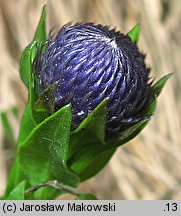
54 184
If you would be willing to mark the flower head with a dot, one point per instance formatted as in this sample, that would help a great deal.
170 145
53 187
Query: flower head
89 63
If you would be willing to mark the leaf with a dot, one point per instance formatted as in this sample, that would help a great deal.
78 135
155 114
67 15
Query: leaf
44 153
86 196
92 161
29 52
97 164
9 133
87 142
91 157
18 192
40 34
126 135
11 180
26 63
91 130
133 130
15 176
31 118
157 87
134 33
26 122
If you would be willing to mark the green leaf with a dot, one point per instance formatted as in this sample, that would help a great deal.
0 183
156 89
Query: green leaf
91 130
127 135
11 180
15 176
9 133
44 153
131 132
18 192
158 86
27 124
40 34
92 161
134 33
28 120
31 118
86 196
26 63
29 52
88 141
90 157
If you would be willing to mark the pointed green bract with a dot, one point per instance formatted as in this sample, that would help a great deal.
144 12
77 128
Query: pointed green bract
87 144
26 64
132 131
134 33
46 101
29 120
158 86
89 162
95 121
30 117
40 34
91 130
89 155
44 153
127 135
30 50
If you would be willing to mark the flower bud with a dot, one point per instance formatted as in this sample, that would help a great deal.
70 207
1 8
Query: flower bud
89 63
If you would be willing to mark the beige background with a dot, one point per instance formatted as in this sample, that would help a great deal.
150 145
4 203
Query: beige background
149 166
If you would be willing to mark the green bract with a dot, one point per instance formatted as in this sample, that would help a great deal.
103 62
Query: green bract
49 150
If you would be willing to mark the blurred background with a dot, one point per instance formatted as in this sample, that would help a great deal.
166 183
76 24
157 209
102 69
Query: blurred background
148 167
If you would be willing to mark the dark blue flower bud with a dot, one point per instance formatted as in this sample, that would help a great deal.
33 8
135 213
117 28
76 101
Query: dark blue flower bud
89 63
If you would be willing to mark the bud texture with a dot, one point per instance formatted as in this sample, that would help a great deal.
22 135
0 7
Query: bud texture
89 63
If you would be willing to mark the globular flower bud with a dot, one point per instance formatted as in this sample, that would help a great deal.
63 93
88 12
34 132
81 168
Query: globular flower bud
89 63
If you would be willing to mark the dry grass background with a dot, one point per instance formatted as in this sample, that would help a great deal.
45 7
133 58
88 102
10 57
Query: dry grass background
149 167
